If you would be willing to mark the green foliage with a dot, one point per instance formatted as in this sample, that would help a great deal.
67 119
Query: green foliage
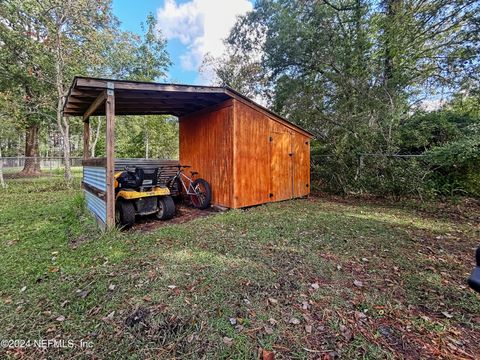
151 57
129 56
457 165
143 137
353 73
397 177
45 44
425 130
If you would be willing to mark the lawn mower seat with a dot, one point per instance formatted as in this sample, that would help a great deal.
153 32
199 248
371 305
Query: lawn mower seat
131 178
149 176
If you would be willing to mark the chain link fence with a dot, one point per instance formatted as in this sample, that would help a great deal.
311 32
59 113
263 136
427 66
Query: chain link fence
48 165
380 174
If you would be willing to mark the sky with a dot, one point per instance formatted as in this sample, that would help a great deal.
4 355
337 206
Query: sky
193 28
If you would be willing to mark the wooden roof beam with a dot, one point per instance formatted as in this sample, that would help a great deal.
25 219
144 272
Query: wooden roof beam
141 86
95 104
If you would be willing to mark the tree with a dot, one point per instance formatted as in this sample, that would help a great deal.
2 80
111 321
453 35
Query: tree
6 129
148 61
75 33
132 130
238 71
22 74
352 71
45 44
96 135
151 58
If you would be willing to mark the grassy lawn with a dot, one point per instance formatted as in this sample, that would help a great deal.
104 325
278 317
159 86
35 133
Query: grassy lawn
310 278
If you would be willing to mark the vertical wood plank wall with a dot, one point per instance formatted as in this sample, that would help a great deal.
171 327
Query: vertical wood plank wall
252 183
271 161
301 168
247 156
206 143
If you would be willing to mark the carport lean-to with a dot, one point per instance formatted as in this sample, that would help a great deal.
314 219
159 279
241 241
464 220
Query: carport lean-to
247 153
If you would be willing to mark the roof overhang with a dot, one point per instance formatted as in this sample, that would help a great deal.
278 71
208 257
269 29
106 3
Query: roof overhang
148 98
141 98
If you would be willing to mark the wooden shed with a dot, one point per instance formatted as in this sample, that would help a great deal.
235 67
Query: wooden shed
248 154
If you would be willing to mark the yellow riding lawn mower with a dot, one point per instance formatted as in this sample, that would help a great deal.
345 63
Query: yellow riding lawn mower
138 192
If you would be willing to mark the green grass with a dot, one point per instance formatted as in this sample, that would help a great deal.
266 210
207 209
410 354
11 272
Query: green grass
256 266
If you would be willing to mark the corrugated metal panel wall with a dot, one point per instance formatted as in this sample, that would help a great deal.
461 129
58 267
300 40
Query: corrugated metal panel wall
95 176
120 164
96 206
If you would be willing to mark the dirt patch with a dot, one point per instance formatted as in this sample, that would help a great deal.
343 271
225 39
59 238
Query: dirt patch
183 214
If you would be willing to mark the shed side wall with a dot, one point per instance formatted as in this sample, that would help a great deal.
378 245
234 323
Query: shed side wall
251 156
271 162
301 165
206 143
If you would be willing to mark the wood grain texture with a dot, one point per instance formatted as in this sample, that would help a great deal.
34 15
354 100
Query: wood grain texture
248 158
301 165
95 104
252 157
110 114
271 162
281 165
100 161
86 138
206 143
268 113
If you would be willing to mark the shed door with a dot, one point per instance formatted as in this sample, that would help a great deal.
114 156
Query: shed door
301 165
281 166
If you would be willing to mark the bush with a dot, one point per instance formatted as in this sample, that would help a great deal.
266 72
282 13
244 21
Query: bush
394 176
449 165
456 167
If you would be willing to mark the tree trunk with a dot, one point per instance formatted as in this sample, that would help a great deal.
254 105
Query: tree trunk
65 131
146 148
93 146
2 181
32 160
147 140
392 9
62 121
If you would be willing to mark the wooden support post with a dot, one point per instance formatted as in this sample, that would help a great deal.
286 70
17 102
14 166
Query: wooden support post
86 138
110 141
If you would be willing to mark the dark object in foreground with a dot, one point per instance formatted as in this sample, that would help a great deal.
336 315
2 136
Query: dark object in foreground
474 279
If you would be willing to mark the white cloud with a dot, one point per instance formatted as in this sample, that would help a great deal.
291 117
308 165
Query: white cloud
432 104
200 25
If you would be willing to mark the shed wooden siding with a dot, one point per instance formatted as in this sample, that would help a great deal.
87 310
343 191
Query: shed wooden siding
248 156
271 159
251 167
206 143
